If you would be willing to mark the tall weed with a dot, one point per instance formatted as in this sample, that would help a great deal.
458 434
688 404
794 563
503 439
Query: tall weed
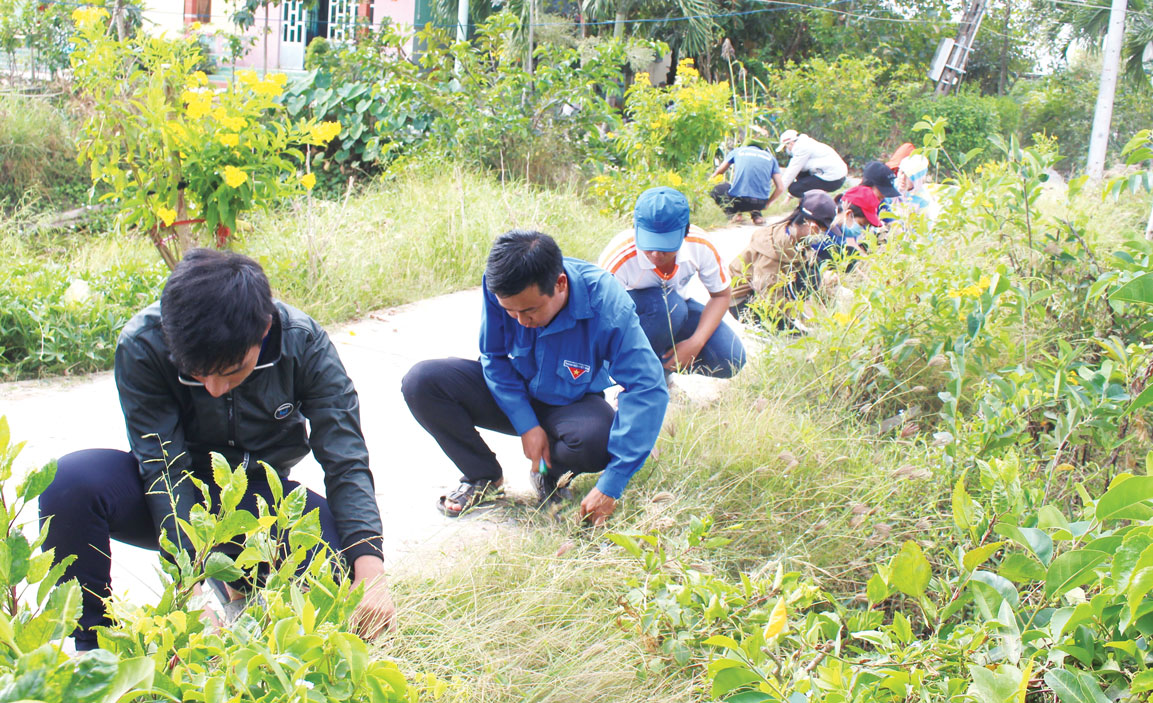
38 155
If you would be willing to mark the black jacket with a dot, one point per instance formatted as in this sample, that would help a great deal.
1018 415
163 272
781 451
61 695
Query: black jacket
298 376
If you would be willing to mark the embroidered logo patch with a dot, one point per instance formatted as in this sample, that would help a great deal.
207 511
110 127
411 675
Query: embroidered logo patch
577 370
283 411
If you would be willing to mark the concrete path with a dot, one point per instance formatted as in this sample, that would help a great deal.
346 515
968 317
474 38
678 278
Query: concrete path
57 416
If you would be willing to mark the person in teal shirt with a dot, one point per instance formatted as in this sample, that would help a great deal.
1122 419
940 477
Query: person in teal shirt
555 333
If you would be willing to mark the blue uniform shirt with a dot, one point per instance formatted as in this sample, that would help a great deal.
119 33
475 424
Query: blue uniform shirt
597 334
753 171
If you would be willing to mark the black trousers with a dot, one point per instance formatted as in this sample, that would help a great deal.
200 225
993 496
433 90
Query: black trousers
450 399
732 205
97 496
806 181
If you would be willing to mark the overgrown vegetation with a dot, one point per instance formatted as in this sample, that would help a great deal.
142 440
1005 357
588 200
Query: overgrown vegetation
292 641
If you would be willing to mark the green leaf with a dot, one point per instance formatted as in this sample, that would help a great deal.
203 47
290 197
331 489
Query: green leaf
625 542
1142 682
1071 570
722 641
964 509
1020 568
220 566
910 570
732 678
1074 687
1036 541
1115 504
93 674
133 674
751 697
1139 290
975 557
876 589
37 481
998 686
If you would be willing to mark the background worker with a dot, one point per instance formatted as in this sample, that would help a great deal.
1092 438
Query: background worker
656 261
772 267
756 183
812 165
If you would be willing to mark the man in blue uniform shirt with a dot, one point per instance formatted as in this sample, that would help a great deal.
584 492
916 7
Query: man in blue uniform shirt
553 331
756 183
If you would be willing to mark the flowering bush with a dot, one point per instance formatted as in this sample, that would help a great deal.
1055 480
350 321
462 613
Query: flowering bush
180 157
671 133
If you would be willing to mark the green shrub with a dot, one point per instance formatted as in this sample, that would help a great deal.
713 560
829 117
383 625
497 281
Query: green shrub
1062 105
58 320
38 155
842 103
972 119
297 644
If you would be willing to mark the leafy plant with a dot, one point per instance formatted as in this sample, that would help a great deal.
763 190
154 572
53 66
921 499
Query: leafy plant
294 645
172 151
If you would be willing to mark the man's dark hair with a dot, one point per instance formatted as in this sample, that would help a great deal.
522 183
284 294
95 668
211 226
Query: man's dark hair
214 308
520 258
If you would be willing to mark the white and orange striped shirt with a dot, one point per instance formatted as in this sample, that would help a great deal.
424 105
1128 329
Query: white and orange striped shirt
698 256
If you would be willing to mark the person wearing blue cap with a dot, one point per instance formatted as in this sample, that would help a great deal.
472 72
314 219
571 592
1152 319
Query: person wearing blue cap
555 333
656 261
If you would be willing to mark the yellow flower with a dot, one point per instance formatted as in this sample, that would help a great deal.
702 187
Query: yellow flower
197 79
229 139
308 180
642 78
196 28
841 318
324 132
84 16
199 104
234 123
247 76
166 215
279 78
674 179
234 177
177 130
268 88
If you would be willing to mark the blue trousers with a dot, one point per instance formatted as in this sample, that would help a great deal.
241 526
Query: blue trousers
98 496
667 318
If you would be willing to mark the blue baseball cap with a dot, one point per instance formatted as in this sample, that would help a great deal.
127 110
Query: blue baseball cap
661 218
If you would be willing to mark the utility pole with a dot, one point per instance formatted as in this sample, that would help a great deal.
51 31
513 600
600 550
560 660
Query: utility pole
954 68
1107 88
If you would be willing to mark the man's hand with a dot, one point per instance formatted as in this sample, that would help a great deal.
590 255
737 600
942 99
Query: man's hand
376 612
596 507
682 355
535 445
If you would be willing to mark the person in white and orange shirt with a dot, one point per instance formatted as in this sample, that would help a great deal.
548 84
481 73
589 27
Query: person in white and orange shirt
656 261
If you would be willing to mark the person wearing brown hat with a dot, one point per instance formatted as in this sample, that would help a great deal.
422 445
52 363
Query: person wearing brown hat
770 266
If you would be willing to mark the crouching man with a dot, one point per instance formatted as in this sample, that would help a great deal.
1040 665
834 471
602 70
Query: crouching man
218 366
553 332
656 261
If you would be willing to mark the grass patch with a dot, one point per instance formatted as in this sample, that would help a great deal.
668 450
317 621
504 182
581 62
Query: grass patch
420 235
38 167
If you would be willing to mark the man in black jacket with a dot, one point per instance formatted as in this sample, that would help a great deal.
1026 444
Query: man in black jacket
218 366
